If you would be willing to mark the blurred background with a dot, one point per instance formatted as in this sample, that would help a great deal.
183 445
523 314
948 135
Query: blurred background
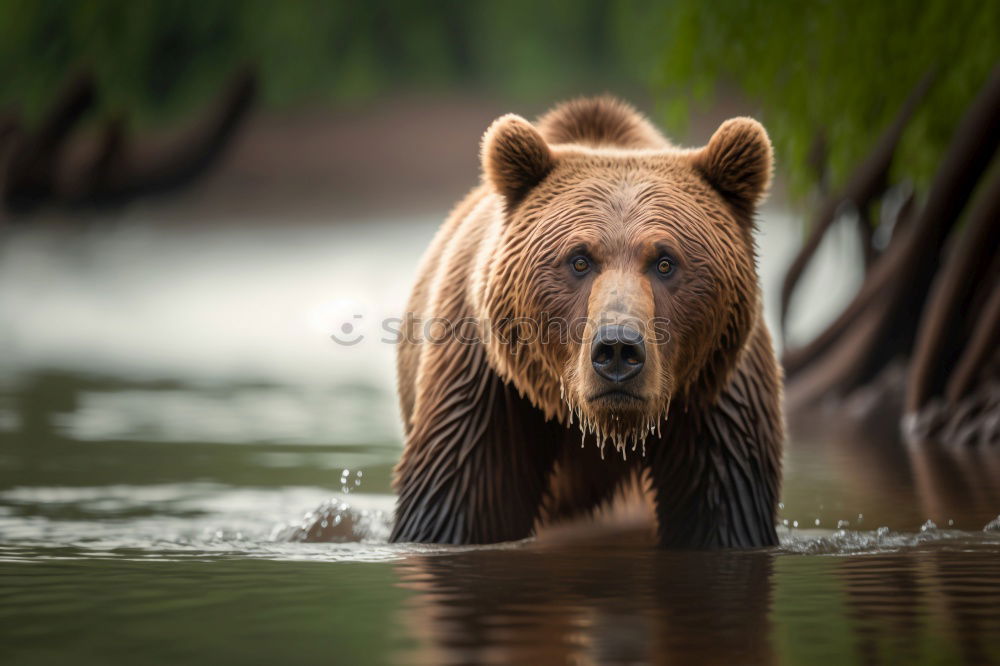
200 192
195 196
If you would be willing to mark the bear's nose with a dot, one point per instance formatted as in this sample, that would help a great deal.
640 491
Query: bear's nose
617 352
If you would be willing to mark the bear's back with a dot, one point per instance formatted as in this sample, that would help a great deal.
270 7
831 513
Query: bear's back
600 122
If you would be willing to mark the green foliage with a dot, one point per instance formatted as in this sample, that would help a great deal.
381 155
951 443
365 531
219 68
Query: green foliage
839 67
159 59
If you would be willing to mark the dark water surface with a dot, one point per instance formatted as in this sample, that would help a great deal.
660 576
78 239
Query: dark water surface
134 551
194 425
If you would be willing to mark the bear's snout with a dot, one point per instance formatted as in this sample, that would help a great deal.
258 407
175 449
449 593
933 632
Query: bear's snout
617 353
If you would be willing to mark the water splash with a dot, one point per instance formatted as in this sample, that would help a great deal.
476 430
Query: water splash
881 540
337 521
346 485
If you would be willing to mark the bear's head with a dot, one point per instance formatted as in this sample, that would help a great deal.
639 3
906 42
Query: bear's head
621 274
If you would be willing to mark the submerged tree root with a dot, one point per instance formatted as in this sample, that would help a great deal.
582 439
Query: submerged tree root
972 421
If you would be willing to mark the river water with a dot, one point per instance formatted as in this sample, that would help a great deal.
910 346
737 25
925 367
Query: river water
174 419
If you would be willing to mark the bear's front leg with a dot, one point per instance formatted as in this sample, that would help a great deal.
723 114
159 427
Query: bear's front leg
477 457
716 472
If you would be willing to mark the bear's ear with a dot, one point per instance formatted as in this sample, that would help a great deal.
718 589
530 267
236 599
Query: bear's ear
515 157
737 162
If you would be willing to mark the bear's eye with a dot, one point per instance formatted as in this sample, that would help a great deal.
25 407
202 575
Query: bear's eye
580 264
664 266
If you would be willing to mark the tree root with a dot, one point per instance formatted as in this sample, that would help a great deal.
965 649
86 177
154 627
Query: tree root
945 323
882 320
119 169
867 183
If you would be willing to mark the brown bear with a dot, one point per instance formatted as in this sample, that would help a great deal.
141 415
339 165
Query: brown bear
598 289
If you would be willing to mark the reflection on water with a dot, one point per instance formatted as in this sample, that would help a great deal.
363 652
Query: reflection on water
212 483
598 602
609 602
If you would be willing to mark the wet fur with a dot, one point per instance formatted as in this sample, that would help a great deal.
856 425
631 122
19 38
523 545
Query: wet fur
491 454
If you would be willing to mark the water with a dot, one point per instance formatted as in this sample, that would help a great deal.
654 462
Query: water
176 427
